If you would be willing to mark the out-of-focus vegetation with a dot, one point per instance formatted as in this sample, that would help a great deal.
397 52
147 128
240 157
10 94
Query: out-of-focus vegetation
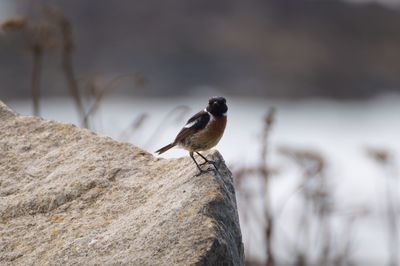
316 242
270 48
280 48
51 34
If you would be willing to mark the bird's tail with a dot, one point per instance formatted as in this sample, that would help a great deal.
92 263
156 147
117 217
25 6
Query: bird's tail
165 148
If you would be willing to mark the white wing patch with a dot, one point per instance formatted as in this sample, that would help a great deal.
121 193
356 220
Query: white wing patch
198 120
189 125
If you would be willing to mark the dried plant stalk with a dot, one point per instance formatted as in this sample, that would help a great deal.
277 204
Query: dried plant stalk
67 49
265 172
384 159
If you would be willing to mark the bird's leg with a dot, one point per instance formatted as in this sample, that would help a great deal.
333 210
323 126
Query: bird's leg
198 166
208 161
205 159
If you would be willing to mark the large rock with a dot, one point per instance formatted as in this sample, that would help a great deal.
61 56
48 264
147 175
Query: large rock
69 196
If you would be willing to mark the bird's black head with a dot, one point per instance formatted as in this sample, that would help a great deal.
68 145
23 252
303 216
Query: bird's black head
217 106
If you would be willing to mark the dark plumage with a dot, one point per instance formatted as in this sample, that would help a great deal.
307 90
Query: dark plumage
203 130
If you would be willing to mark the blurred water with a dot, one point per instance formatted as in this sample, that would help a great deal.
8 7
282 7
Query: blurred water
339 130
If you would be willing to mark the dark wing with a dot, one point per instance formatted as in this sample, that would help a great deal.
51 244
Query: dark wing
194 124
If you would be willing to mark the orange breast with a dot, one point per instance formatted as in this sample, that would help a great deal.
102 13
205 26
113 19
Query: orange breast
208 137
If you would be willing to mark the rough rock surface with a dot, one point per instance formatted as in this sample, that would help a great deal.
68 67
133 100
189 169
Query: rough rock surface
69 196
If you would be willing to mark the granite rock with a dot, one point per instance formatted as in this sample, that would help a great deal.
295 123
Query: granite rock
71 197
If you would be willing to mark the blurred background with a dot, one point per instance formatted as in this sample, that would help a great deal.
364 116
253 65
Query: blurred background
313 90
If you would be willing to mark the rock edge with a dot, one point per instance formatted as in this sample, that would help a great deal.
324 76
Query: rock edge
69 196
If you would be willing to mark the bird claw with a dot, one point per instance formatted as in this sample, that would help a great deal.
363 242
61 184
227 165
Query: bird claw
201 172
208 162
215 166
215 169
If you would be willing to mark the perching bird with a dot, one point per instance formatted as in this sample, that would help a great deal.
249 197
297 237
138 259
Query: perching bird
202 131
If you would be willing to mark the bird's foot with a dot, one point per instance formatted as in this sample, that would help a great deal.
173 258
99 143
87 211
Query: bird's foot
208 162
203 171
214 164
214 169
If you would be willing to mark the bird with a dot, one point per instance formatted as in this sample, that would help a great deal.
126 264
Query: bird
202 131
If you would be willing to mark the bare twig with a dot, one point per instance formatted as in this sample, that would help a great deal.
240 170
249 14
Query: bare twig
99 95
67 49
265 172
179 111
317 202
133 126
385 159
35 38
